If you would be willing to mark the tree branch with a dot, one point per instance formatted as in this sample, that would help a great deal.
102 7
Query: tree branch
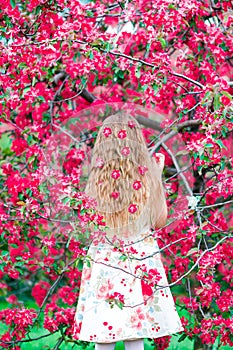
28 340
214 205
88 96
174 132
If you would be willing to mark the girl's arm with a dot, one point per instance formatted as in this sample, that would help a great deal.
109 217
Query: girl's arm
162 218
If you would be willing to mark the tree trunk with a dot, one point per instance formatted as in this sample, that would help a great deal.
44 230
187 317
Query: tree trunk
199 346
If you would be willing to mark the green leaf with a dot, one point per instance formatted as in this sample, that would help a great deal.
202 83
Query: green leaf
13 3
29 192
88 263
107 46
21 196
80 265
26 89
89 13
45 250
123 258
225 93
41 98
208 95
5 142
171 6
148 45
182 337
22 65
220 144
217 103
38 9
144 87
225 130
209 145
2 265
13 245
224 46
90 55
4 253
192 251
46 117
31 158
163 42
155 88
222 164
138 72
19 263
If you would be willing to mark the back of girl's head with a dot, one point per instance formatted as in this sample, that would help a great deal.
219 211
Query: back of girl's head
123 178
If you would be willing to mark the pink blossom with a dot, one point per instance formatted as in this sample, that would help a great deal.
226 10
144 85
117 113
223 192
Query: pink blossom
99 162
132 208
116 174
142 169
137 185
122 134
125 151
131 124
107 132
115 194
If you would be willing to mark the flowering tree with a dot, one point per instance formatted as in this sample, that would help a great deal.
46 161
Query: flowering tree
59 57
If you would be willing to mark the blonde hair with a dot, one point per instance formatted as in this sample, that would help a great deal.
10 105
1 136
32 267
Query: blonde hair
136 166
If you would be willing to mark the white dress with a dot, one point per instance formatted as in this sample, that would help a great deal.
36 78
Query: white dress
114 304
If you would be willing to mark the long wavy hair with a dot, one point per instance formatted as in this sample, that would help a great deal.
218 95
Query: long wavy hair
124 179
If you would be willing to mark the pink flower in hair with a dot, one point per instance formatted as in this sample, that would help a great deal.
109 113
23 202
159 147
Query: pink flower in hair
115 195
125 151
131 124
122 134
142 169
157 158
116 174
132 208
137 185
99 162
107 132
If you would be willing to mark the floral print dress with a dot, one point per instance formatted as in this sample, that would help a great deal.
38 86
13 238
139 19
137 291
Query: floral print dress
117 301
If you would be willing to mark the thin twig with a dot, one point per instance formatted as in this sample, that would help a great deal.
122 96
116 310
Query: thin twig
60 341
211 224
178 169
65 132
191 109
214 205
28 340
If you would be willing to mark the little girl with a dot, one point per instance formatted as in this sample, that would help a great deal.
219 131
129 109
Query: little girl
123 294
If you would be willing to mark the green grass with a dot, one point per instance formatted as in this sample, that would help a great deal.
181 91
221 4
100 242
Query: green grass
50 341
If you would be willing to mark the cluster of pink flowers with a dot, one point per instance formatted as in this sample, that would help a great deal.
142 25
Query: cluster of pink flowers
57 316
19 321
149 279
73 160
116 299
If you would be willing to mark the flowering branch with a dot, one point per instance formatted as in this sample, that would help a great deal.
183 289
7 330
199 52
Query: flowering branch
159 287
197 262
174 132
